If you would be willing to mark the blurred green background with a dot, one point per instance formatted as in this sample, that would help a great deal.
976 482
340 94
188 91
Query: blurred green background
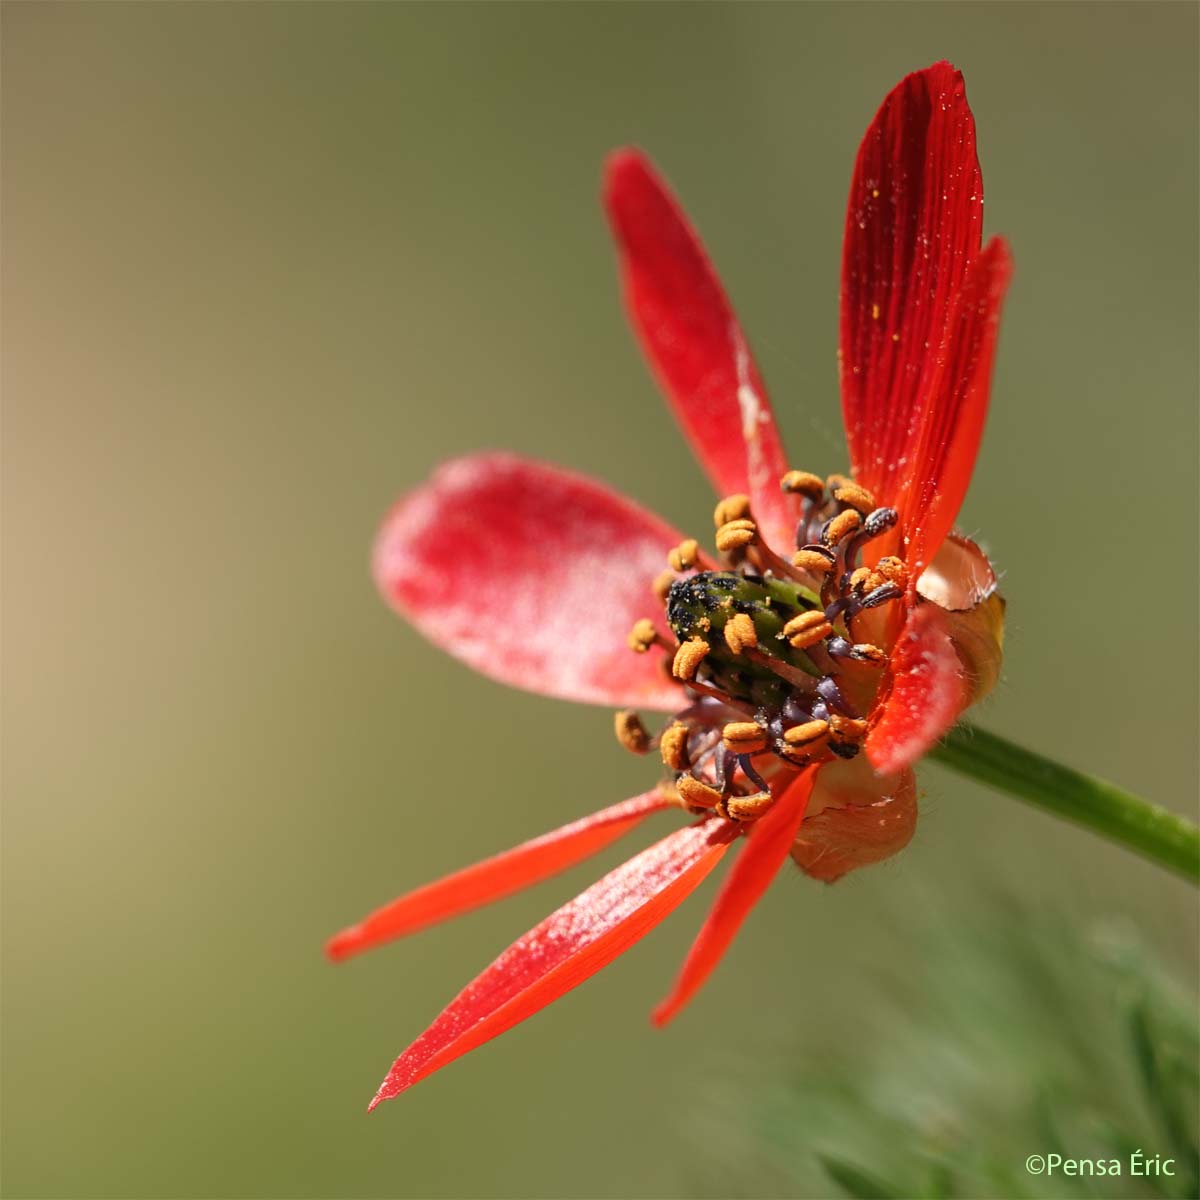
264 265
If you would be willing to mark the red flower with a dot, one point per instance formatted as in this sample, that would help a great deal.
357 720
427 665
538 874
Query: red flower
842 614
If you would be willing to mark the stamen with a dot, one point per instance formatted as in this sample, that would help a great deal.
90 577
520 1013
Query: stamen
751 624
806 484
863 580
848 729
893 570
794 676
696 794
707 689
661 586
807 629
674 747
880 521
881 595
747 765
688 658
864 652
766 560
731 508
859 652
685 556
855 496
744 737
670 793
846 735
808 736
736 535
630 731
814 560
841 527
643 635
722 769
877 522
747 808
828 690
740 633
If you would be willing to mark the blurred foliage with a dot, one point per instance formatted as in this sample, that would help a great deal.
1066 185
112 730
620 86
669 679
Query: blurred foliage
1024 1039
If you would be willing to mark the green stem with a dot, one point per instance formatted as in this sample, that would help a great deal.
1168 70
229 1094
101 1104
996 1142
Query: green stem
1162 836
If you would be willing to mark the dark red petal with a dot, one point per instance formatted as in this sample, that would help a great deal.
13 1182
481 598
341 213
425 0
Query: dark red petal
942 456
567 948
928 691
694 344
767 848
495 877
532 575
913 229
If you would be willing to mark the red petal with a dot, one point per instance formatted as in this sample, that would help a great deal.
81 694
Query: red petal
695 346
912 231
766 849
567 948
928 692
531 575
943 455
495 877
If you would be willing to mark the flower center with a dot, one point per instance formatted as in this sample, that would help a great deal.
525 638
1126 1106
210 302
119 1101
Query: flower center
780 658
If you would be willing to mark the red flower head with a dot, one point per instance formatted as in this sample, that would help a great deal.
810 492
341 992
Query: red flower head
836 635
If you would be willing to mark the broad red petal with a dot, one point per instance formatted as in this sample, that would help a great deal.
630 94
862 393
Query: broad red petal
913 230
694 344
495 877
565 949
928 691
766 849
943 454
531 575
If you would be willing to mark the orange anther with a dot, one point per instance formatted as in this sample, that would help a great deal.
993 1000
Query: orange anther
696 794
688 658
630 731
740 633
731 508
744 737
734 535
805 483
642 636
674 746
841 527
685 556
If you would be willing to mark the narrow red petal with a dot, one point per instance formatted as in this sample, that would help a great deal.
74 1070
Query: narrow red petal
531 575
913 229
563 951
942 455
495 877
928 692
767 848
693 342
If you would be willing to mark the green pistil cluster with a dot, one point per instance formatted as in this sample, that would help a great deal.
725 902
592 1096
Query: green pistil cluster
701 607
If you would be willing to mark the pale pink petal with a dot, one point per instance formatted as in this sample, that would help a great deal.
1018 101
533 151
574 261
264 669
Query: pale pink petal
532 575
